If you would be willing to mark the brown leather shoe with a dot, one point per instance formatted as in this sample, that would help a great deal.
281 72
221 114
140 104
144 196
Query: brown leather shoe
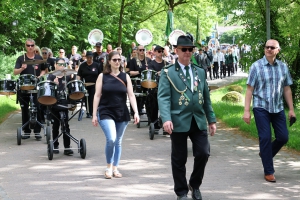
270 178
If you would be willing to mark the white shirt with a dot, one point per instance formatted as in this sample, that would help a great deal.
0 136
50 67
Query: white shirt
190 72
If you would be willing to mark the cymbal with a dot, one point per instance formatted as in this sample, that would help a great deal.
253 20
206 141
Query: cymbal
64 72
89 84
34 62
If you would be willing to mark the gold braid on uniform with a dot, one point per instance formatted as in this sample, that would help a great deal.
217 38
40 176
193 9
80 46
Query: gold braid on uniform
183 95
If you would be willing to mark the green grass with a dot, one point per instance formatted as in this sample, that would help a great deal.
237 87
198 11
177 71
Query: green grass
7 105
231 114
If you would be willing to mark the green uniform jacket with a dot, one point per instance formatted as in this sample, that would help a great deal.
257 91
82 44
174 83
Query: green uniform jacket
199 105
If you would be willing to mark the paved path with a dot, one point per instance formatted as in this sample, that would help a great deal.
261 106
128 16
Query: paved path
234 170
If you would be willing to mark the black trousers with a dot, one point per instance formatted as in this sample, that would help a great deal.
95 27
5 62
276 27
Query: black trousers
24 100
209 71
201 152
229 69
152 106
56 124
91 91
216 70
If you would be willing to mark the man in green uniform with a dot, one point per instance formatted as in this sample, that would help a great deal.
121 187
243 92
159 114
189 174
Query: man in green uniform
185 108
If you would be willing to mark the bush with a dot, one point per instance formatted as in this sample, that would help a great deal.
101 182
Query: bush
236 88
233 97
7 65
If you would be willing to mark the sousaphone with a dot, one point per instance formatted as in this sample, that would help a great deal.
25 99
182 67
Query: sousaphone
174 36
143 37
95 36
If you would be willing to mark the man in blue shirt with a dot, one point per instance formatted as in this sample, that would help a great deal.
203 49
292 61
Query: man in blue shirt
268 82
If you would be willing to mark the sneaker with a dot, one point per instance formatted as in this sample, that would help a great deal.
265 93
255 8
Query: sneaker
68 151
88 115
55 150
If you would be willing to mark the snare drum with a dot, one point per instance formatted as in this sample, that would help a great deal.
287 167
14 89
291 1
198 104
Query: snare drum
76 89
148 78
47 92
7 87
136 84
27 82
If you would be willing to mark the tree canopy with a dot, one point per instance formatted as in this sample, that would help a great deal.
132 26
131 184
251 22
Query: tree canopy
64 23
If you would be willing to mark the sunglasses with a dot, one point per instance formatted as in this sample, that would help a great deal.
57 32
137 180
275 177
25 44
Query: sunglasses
270 47
36 51
44 53
185 49
115 60
61 52
30 45
61 64
141 49
159 51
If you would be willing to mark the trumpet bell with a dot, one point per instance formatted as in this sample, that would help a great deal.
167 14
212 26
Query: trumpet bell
174 36
144 37
95 36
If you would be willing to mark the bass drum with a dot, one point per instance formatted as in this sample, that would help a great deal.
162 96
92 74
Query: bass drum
46 94
148 79
7 87
76 89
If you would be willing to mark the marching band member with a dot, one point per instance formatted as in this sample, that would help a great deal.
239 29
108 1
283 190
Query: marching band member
123 59
24 99
74 57
88 72
137 65
50 62
99 56
156 65
61 82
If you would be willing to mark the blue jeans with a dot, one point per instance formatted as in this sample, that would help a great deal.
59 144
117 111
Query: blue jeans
114 132
269 149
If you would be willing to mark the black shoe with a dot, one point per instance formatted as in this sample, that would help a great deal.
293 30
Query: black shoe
26 136
183 197
38 136
68 151
55 150
88 115
196 194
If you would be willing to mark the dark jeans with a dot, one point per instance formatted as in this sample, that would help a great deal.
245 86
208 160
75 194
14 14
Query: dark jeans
24 100
201 152
269 149
57 122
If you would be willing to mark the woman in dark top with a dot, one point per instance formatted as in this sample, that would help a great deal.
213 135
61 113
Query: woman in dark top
112 87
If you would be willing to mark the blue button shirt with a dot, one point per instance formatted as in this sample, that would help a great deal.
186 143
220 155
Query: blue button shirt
268 82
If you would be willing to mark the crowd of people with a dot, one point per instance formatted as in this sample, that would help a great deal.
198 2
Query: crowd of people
181 94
